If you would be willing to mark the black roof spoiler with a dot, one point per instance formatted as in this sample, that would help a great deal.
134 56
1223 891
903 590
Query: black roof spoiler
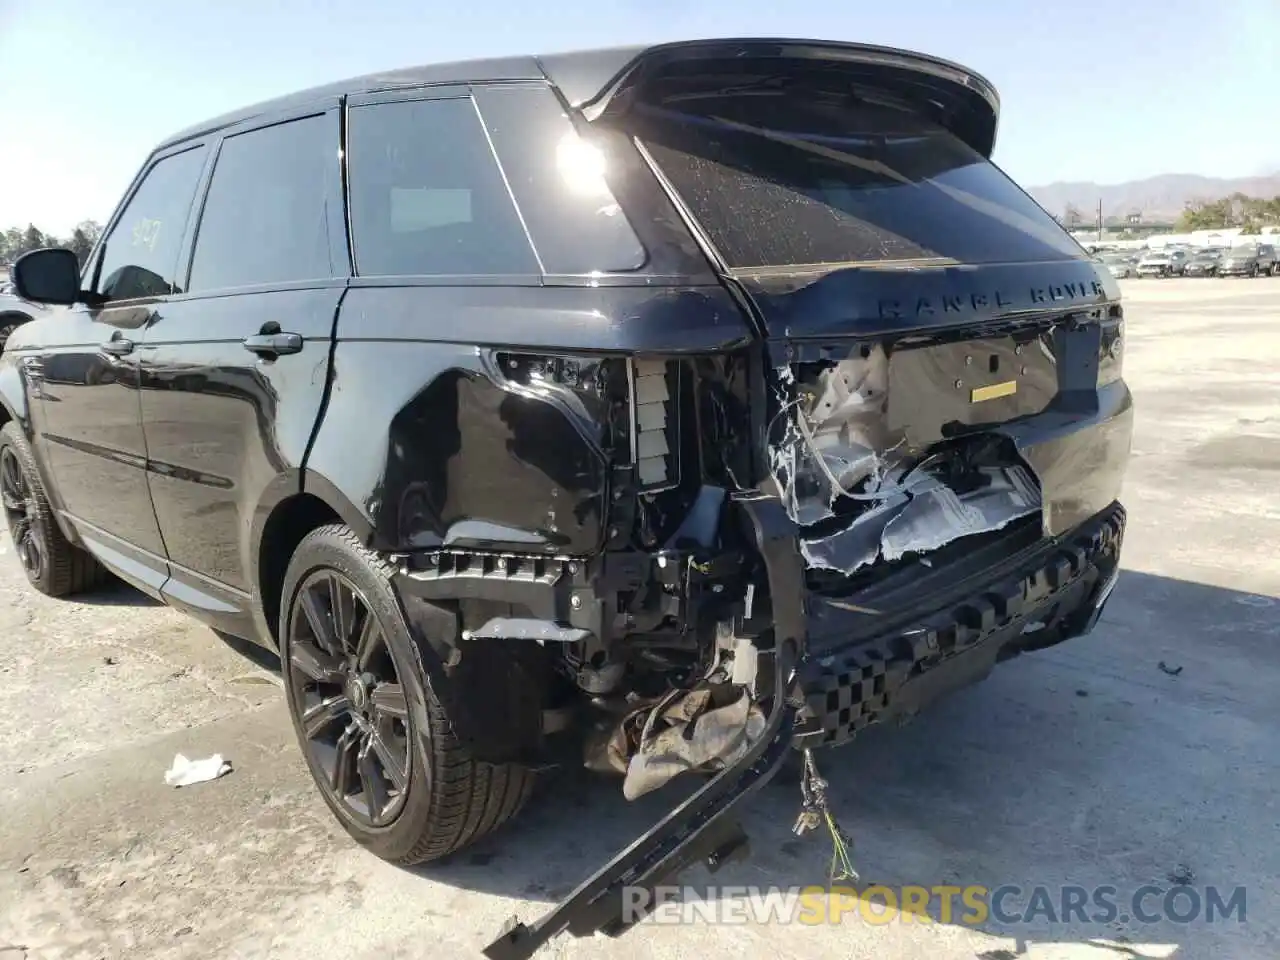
966 103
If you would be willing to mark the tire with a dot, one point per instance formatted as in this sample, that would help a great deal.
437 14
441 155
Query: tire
59 568
450 798
7 326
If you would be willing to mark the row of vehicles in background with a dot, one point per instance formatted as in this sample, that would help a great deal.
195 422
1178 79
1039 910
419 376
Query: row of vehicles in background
1252 260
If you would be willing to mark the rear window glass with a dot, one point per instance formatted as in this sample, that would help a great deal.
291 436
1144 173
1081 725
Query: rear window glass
785 180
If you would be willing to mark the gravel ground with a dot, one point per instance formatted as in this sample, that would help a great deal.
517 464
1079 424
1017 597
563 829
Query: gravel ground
1142 754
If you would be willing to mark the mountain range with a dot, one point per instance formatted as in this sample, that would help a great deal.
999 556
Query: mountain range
1161 197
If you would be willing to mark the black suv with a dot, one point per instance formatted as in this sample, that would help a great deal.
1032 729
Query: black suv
661 409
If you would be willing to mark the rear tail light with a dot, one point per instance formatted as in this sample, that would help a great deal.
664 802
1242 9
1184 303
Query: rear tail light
627 408
592 391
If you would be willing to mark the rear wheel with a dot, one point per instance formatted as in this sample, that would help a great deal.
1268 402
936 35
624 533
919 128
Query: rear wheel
7 326
374 733
53 565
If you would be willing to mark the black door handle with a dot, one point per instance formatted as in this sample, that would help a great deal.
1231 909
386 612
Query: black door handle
118 346
273 344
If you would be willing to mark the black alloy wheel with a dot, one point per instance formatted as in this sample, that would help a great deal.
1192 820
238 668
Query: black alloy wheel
377 737
348 699
20 512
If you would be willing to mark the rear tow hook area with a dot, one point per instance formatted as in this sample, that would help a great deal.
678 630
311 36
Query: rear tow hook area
701 828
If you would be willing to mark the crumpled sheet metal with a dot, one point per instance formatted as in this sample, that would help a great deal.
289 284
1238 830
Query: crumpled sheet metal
937 514
839 440
705 729
925 515
839 446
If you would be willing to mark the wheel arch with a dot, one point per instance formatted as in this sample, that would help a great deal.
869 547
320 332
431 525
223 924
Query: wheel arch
13 399
301 501
8 315
294 504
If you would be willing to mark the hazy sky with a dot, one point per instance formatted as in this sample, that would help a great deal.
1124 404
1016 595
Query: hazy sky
1105 90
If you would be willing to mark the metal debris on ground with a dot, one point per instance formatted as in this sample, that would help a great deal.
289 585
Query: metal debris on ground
186 772
815 811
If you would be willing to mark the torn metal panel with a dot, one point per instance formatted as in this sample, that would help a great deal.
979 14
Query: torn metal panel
924 513
936 514
837 453
831 434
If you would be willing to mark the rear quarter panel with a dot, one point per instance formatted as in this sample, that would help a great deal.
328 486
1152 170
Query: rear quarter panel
430 446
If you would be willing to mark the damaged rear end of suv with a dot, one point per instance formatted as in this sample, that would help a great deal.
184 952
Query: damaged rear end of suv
663 411
908 472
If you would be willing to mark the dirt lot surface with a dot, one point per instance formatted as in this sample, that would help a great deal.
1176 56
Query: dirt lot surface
1143 754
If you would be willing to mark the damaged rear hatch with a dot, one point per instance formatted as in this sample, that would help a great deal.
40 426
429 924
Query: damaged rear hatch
915 303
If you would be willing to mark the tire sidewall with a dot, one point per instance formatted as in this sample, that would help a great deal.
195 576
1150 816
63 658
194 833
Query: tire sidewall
329 548
11 439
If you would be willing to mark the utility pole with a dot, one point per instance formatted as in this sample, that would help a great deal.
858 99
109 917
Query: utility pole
1099 219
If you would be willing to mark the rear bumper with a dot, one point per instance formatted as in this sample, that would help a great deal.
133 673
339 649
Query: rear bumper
825 688
1054 593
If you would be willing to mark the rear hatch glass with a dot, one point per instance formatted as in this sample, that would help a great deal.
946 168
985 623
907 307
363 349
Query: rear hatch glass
778 177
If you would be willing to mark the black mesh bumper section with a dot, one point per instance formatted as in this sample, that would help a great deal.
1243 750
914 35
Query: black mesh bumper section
1054 595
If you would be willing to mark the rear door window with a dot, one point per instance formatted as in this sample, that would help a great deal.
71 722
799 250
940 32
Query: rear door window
140 256
427 196
266 216
777 180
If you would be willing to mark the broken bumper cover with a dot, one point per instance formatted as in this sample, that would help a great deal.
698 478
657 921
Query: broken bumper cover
703 827
1055 592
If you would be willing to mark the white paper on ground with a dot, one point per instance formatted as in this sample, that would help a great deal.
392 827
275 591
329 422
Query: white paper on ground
185 772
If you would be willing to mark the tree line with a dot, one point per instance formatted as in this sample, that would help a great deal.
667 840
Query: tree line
1237 210
16 241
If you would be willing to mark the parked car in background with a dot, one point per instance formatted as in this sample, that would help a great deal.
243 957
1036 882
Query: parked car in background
15 311
1161 263
1249 261
542 411
1203 263
1119 265
1179 256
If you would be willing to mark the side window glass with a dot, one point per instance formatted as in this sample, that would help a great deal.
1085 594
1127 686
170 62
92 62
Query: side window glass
140 256
266 216
558 180
427 196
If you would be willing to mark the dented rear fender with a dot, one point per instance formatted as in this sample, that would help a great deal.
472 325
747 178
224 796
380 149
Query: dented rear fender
514 436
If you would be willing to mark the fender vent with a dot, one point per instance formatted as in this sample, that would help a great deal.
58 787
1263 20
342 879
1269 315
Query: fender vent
654 393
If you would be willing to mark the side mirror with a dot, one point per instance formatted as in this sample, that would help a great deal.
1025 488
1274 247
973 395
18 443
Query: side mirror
48 276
